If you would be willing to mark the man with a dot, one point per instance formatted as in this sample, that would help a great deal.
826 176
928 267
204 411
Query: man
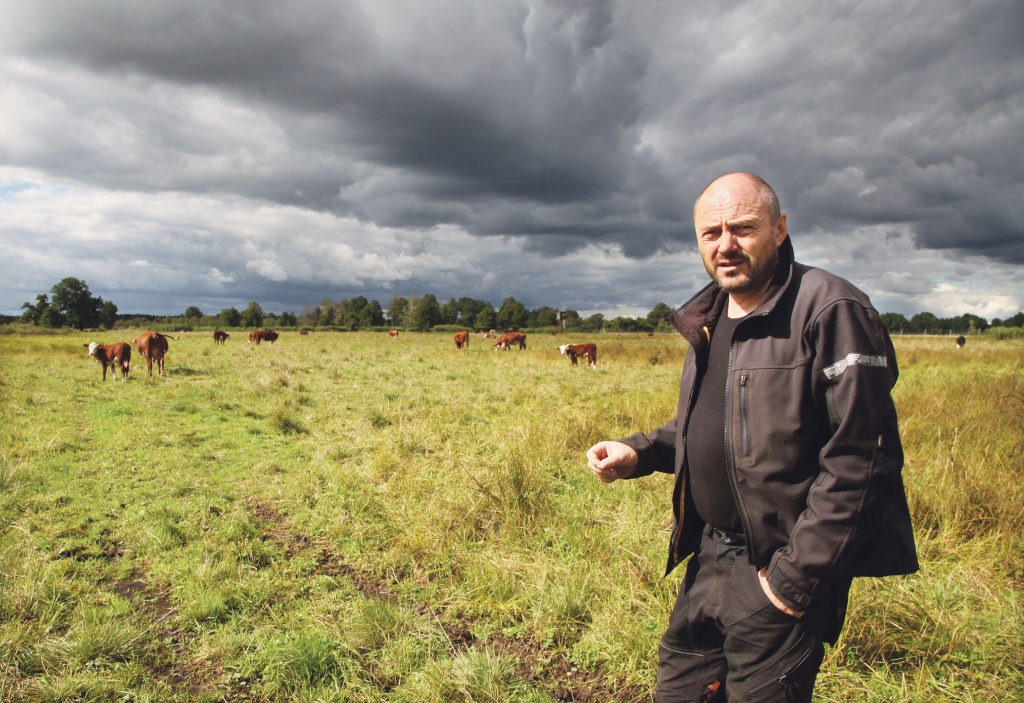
786 455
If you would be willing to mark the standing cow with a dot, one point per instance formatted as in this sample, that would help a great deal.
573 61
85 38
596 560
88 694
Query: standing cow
153 346
461 340
263 335
110 354
393 334
575 350
506 340
220 336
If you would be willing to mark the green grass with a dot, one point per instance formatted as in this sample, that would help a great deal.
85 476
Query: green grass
347 517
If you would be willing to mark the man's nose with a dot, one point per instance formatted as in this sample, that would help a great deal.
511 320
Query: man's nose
727 241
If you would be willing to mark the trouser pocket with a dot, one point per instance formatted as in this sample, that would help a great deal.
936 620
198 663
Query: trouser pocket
773 657
786 679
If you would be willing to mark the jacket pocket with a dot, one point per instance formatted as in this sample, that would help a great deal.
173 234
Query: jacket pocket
744 417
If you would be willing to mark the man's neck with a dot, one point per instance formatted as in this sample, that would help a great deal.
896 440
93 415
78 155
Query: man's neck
742 304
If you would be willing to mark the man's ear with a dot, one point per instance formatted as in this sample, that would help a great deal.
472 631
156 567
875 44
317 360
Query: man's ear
781 229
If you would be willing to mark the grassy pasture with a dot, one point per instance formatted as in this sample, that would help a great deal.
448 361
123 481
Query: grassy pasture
348 517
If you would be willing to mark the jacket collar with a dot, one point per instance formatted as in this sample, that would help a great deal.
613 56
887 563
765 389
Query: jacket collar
697 317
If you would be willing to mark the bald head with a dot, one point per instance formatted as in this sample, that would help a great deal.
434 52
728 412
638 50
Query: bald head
739 180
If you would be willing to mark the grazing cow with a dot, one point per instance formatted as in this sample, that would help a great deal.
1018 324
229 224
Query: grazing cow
960 342
574 350
153 346
263 335
650 334
461 340
506 340
303 333
393 334
219 336
109 354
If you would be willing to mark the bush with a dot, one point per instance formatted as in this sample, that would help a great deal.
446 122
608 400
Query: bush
1005 333
450 329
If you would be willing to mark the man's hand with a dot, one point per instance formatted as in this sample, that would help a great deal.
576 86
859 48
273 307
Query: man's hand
775 599
611 461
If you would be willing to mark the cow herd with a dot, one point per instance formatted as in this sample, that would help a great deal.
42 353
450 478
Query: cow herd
153 346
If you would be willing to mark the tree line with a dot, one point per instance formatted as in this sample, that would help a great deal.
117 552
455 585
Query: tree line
71 304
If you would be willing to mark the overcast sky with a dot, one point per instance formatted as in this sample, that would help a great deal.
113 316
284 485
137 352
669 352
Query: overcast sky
212 152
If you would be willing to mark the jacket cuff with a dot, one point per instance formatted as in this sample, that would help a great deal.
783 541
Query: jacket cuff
644 450
785 590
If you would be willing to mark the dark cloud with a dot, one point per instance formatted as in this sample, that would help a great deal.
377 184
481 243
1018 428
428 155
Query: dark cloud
561 126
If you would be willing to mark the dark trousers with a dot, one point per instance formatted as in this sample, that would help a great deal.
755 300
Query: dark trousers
726 642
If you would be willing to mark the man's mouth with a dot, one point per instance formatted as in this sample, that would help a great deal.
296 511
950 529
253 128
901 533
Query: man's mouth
730 264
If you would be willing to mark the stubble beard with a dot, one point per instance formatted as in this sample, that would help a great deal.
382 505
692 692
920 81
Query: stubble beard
759 272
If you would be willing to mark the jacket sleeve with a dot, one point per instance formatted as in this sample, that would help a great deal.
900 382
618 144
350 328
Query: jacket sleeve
656 449
852 376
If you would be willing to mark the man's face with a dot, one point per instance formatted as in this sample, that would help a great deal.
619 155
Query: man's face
737 240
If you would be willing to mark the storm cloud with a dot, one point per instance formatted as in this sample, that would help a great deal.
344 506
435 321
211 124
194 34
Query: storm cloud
178 152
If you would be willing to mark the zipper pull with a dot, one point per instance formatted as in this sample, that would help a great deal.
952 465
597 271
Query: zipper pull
879 441
743 382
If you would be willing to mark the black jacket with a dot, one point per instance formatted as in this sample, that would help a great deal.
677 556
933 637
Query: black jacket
813 447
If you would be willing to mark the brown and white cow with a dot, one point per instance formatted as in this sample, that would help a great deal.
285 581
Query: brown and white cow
153 346
110 354
220 336
574 350
461 340
506 340
960 342
393 334
303 333
263 336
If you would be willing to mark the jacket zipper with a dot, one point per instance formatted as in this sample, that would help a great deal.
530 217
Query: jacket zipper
743 412
730 471
678 532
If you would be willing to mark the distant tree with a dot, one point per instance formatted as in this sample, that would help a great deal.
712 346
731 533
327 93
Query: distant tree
512 314
350 312
108 314
924 323
34 313
572 319
51 317
543 317
656 316
594 323
253 315
427 313
230 317
288 319
193 312
450 312
76 305
1014 321
468 309
486 318
372 315
397 309
895 322
966 324
629 324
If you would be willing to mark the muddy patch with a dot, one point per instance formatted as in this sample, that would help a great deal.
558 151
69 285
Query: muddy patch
540 667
